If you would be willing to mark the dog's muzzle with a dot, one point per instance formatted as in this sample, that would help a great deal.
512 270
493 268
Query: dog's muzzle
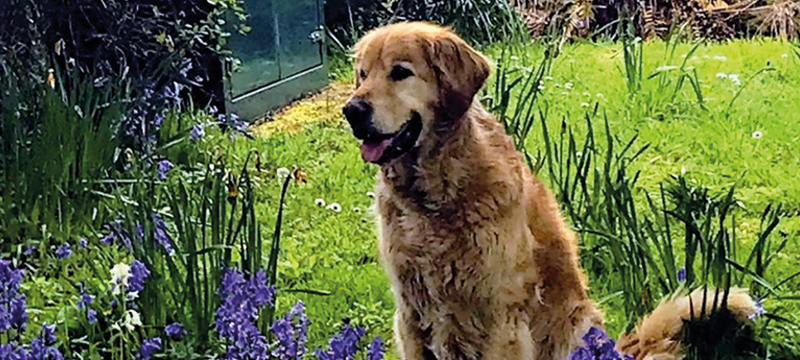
377 147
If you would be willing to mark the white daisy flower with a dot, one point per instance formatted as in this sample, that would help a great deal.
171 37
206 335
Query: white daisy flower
757 134
371 194
356 210
587 94
566 93
319 202
568 85
784 55
578 154
586 105
720 58
335 207
548 78
722 75
735 79
540 87
283 173
666 68
600 95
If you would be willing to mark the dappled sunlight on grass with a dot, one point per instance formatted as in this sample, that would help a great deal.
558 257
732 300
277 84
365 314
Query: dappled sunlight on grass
324 107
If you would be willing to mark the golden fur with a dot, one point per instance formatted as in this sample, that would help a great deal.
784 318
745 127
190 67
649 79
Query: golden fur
482 264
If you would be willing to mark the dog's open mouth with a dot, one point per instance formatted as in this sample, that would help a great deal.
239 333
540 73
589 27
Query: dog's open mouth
382 148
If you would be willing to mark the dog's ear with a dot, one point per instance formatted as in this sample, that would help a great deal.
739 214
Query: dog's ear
460 70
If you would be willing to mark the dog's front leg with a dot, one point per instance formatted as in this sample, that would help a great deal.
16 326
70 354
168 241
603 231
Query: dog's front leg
510 337
410 336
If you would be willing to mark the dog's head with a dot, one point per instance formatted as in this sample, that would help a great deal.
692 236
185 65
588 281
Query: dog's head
411 78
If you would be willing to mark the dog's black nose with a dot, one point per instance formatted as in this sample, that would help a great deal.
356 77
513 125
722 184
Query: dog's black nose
359 114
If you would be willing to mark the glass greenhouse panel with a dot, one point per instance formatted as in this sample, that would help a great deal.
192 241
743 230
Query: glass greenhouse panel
280 59
258 50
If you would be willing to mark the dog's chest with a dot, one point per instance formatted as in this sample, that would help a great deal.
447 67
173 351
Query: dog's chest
437 268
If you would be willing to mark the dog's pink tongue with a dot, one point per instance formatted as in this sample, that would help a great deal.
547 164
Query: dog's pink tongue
372 152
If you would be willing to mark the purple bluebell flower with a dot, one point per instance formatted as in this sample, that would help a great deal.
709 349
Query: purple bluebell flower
343 345
86 299
48 334
64 251
163 167
197 132
284 333
18 314
117 234
12 303
581 353
175 331
291 331
159 119
375 350
302 325
139 232
113 304
161 235
5 317
83 243
232 280
138 274
39 350
597 346
29 250
682 275
232 121
594 336
241 301
10 280
759 311
150 346
13 352
262 293
91 315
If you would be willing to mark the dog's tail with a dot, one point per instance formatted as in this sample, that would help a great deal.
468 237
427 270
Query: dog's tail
660 335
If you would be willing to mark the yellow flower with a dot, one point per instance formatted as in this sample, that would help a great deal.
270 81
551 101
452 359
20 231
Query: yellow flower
51 78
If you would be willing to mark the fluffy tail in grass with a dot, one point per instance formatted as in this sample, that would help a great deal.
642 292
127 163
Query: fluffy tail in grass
682 327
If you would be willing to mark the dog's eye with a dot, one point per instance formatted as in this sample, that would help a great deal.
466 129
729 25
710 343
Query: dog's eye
362 74
399 73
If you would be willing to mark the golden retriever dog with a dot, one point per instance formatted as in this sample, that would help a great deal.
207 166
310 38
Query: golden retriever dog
481 261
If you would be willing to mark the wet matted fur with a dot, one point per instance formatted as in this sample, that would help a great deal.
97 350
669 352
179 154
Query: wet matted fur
481 261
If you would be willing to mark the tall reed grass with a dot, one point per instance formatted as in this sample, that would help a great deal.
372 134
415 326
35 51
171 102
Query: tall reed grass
640 244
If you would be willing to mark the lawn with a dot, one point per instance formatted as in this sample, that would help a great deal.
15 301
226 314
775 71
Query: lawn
745 132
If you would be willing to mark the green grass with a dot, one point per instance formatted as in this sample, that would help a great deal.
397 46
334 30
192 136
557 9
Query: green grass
714 148
713 145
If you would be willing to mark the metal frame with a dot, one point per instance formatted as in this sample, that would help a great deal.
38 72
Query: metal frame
257 103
